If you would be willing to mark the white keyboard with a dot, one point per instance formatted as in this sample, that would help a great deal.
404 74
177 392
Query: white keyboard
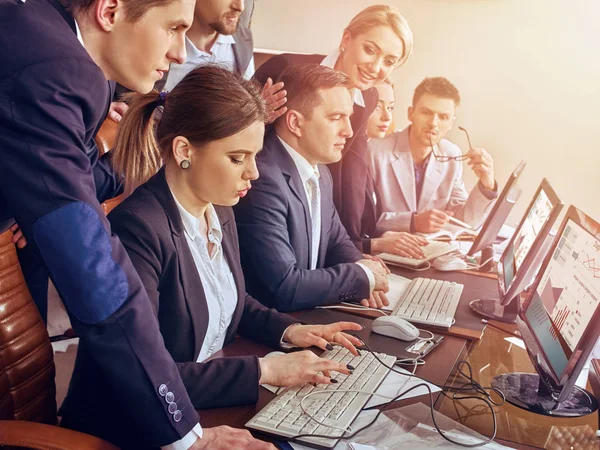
283 416
431 251
429 302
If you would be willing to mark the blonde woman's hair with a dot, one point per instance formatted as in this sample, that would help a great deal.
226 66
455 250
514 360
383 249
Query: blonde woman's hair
383 15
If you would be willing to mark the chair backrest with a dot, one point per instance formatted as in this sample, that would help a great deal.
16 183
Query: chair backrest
27 389
106 136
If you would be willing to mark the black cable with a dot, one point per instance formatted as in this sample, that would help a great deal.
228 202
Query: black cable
487 399
475 386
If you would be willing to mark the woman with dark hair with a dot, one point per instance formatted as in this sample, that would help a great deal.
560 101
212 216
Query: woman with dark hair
179 230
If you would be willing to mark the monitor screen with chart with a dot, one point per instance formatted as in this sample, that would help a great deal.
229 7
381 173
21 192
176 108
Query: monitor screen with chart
524 253
562 312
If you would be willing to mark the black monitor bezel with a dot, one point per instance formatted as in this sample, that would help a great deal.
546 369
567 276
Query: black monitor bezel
506 295
482 239
560 384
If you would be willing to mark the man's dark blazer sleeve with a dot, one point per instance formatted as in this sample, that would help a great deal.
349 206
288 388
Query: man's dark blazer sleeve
218 382
47 181
265 243
108 183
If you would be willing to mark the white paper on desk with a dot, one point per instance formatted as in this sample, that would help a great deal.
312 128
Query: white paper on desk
398 286
361 420
516 341
393 385
424 437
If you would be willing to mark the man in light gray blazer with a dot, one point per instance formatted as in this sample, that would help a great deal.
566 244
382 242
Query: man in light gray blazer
418 173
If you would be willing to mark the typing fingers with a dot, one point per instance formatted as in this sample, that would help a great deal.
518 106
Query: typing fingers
411 250
350 342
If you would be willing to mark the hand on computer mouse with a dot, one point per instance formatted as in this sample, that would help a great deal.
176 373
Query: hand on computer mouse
298 368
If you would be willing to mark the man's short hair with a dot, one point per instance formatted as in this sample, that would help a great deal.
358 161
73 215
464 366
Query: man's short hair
438 87
303 83
134 9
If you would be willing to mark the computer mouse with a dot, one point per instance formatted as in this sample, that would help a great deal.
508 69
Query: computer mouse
395 327
449 262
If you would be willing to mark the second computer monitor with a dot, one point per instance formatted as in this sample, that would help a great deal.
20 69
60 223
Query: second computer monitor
527 248
499 213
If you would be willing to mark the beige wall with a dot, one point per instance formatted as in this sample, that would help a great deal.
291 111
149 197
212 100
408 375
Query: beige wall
528 72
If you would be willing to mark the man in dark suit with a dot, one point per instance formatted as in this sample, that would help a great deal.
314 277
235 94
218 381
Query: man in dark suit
54 95
295 251
353 185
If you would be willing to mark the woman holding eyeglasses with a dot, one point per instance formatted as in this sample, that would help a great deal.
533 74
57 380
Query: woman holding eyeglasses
419 173
376 42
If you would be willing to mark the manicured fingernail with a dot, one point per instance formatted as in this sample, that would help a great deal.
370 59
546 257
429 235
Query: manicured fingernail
349 367
333 380
329 347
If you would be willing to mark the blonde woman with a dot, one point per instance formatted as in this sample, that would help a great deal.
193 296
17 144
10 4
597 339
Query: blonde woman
377 41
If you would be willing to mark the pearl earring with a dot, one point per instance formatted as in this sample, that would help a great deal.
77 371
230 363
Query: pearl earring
185 164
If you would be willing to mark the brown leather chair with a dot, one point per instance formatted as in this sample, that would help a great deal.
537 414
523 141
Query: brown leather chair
106 136
27 391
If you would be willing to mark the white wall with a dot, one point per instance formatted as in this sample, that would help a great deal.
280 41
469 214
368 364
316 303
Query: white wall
528 72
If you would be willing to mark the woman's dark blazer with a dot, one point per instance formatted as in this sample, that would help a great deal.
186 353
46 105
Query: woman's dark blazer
150 227
353 184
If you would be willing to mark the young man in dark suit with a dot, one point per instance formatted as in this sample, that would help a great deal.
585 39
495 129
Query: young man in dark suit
54 95
295 251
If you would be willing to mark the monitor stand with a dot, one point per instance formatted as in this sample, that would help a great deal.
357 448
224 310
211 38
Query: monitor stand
526 391
491 308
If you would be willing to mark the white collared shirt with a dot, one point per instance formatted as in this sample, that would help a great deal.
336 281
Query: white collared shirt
330 61
306 171
220 53
196 432
216 277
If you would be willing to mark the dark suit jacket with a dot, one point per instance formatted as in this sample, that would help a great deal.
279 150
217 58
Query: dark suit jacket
53 98
275 239
150 227
353 185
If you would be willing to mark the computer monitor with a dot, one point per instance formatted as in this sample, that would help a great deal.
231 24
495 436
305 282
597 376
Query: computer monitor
560 323
523 255
499 213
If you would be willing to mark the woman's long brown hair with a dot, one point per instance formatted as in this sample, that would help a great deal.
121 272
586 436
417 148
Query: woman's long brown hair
210 103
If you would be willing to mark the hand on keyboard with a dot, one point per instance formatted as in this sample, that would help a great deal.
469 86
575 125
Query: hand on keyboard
298 368
399 243
322 335
377 300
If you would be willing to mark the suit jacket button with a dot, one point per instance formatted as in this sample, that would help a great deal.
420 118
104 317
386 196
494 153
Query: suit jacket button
162 390
177 416
172 407
169 397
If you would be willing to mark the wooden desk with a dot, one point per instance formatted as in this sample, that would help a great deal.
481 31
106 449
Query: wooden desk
490 356
436 370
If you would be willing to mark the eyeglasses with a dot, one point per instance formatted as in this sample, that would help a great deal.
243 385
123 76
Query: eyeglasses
446 158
